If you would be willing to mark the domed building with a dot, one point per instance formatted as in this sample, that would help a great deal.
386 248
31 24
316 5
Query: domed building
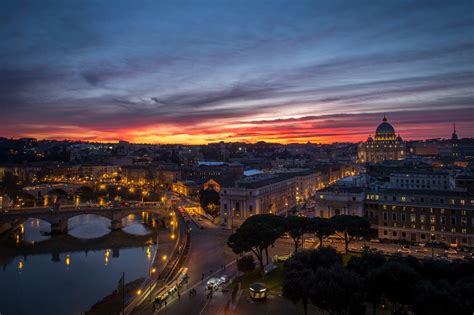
386 145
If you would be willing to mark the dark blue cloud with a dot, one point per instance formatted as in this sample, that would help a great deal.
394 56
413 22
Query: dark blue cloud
106 63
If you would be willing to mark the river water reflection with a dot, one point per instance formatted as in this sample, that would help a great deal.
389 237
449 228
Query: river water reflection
66 279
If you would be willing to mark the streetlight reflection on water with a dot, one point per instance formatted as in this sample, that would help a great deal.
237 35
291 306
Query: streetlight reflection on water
107 255
68 262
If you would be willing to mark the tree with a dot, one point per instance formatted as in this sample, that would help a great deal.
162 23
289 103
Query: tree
246 263
297 285
337 291
256 234
397 282
463 291
274 223
349 227
209 199
321 228
365 263
296 228
434 300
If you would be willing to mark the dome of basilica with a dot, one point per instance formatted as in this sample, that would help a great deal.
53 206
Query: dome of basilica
385 131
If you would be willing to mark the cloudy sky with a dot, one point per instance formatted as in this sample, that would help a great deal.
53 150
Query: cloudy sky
204 71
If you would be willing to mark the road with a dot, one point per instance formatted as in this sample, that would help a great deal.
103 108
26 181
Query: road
207 255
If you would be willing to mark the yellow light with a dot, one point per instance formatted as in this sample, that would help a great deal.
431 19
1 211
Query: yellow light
68 260
20 264
139 292
102 186
164 257
132 190
107 254
153 270
22 228
173 236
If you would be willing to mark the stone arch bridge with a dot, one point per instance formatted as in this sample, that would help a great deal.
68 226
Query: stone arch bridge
59 218
41 190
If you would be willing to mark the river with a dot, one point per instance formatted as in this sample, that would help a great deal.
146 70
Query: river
75 270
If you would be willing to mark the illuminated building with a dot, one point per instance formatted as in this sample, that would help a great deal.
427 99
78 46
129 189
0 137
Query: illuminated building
267 193
441 216
386 145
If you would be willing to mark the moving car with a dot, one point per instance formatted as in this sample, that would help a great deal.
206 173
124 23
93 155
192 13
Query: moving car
451 251
404 250
215 283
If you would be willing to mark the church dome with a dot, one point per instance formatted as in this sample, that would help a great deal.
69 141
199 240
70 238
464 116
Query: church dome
385 131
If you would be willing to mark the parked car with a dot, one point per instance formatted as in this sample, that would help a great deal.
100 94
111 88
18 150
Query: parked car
374 240
404 250
451 251
421 250
310 240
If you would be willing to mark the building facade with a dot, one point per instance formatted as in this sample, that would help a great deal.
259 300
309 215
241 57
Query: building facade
336 200
266 193
440 216
386 145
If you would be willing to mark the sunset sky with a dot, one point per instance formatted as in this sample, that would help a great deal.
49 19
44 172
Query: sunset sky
205 71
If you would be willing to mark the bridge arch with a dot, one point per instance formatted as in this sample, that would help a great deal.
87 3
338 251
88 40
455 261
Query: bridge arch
58 192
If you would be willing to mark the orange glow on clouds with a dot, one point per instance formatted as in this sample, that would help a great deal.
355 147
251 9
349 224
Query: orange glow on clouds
316 129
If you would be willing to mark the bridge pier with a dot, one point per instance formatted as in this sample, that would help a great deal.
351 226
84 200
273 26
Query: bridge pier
115 252
59 227
116 225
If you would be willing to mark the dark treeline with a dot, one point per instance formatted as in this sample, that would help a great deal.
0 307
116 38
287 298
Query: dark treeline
368 282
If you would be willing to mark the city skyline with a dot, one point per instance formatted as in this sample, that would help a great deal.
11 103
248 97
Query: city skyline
208 72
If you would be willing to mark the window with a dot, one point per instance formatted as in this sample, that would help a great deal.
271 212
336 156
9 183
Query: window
225 206
463 221
442 219
412 217
453 220
422 218
394 216
250 208
403 217
394 233
385 232
385 216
